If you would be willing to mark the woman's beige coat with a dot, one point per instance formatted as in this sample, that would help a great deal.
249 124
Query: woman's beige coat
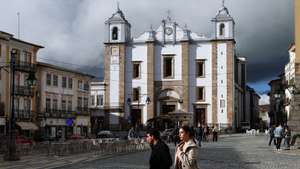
187 158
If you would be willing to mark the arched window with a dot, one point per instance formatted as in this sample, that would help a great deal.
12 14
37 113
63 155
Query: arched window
115 33
222 29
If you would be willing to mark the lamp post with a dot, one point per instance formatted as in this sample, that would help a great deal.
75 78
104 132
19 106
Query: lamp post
11 154
278 108
12 147
148 101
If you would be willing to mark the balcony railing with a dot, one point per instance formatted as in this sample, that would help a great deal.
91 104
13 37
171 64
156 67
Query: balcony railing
23 115
53 113
24 91
82 111
25 66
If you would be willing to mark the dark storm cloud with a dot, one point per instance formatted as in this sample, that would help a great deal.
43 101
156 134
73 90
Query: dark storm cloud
73 30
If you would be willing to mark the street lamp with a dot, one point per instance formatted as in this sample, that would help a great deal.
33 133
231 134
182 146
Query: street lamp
148 101
11 154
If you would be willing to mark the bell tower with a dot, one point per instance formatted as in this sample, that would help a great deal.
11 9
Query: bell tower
223 24
116 41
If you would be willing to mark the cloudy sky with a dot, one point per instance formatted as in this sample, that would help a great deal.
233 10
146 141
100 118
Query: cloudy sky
72 31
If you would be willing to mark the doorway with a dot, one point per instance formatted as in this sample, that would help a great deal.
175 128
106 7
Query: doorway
136 117
200 116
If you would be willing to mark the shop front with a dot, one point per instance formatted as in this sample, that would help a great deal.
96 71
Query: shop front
82 126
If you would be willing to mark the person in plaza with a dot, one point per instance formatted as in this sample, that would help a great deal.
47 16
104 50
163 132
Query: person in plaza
199 133
278 134
131 134
271 133
215 134
187 150
206 133
160 157
287 137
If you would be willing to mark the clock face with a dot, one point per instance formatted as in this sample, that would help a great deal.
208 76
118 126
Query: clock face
169 30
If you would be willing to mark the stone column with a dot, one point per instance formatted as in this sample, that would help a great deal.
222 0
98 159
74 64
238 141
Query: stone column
185 46
230 83
151 107
214 83
122 67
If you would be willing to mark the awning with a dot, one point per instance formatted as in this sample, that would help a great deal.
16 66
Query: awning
27 126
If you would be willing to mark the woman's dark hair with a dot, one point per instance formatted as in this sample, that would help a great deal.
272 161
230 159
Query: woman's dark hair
189 130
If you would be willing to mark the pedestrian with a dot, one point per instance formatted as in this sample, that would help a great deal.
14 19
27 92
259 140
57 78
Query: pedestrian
132 134
160 157
187 150
199 133
271 133
287 137
206 133
278 134
215 134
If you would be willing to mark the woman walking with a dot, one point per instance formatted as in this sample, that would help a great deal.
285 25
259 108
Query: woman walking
187 150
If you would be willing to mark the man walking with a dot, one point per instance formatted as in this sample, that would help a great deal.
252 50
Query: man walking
271 132
215 134
278 134
160 155
199 133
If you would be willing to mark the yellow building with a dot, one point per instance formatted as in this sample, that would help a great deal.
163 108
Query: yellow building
25 95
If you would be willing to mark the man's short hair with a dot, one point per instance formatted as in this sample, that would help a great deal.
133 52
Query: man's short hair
154 132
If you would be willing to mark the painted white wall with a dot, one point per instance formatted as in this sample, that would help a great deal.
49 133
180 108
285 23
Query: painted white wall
120 35
114 85
176 50
201 51
229 32
139 53
222 81
97 88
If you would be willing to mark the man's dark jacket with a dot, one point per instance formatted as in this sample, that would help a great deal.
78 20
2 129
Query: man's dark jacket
160 156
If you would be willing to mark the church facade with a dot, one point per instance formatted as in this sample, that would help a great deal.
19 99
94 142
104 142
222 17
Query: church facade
172 71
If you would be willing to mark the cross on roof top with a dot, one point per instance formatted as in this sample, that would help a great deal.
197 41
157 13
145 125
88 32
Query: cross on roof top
169 15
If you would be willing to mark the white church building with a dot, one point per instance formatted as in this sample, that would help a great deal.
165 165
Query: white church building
173 72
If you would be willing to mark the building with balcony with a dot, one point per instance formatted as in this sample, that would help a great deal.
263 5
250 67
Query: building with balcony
99 115
252 108
289 73
277 112
63 101
24 95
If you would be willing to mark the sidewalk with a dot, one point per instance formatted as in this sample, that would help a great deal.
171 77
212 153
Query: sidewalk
49 162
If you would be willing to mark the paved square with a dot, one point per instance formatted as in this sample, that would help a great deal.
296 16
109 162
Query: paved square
235 152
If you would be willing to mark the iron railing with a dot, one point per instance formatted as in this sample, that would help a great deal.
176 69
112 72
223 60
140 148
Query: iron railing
23 91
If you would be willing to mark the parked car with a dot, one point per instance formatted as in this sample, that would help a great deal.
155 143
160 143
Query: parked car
76 136
105 134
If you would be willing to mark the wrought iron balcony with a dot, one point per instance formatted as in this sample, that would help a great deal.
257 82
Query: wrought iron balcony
54 113
25 66
82 111
23 115
24 91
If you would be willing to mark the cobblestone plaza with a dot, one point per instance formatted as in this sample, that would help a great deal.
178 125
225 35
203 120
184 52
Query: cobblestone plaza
233 152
